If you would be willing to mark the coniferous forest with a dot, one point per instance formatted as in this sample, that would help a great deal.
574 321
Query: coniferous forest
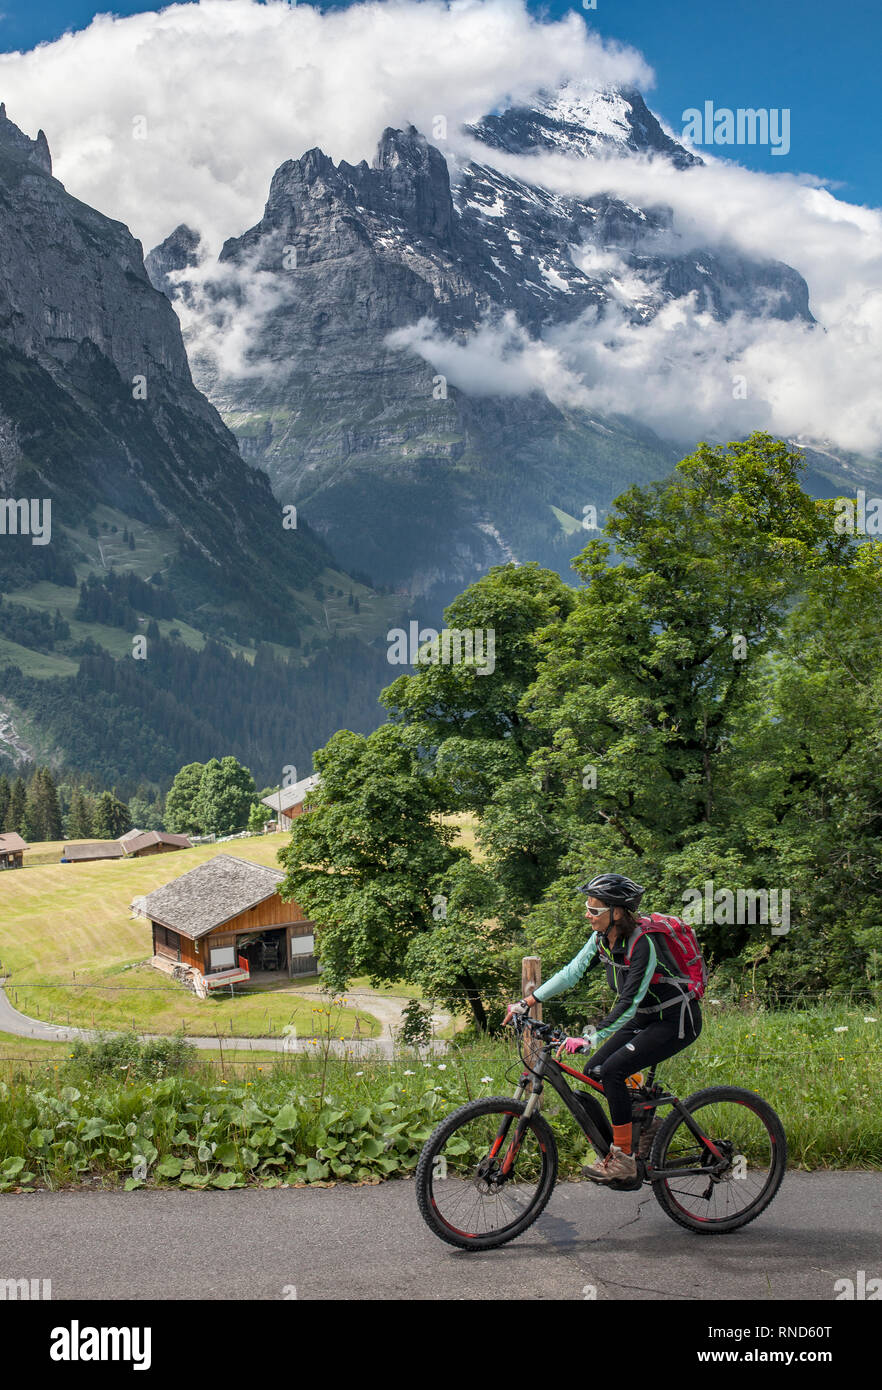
128 722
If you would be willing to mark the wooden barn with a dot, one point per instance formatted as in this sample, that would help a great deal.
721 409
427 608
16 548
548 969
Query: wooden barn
140 843
134 845
12 848
87 853
225 909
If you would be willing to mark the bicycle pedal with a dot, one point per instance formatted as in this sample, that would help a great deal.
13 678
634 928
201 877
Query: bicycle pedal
629 1184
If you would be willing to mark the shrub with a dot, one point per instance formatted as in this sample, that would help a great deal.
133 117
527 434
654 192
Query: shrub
116 1052
416 1025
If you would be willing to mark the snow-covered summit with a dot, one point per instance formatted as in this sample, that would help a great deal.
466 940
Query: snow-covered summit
580 120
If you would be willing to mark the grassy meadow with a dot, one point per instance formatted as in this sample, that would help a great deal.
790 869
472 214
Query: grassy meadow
75 954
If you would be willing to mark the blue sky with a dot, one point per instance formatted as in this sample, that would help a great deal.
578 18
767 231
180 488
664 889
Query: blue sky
820 60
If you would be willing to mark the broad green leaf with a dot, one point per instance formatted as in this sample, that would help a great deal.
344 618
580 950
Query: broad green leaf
224 1180
287 1118
169 1166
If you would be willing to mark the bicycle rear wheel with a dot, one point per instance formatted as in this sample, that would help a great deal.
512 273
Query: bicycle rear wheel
732 1189
475 1189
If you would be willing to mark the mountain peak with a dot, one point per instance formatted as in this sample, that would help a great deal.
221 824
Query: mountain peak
14 141
179 251
401 146
415 179
584 121
408 181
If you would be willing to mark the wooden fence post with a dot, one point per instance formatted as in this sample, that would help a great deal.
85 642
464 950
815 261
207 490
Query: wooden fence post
531 978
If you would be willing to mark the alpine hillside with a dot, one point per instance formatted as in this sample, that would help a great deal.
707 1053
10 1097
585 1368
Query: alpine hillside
151 522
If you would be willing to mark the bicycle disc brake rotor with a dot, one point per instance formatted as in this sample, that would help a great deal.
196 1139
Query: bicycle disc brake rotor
487 1177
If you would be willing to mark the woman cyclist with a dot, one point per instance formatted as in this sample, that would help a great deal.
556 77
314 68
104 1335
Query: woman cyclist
646 1024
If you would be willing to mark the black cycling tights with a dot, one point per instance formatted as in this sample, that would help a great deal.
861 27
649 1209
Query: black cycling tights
634 1048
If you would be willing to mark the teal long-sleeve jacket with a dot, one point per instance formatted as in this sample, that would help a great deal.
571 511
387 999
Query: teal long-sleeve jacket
631 982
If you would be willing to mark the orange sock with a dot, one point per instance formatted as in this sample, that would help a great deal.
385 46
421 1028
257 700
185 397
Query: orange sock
622 1137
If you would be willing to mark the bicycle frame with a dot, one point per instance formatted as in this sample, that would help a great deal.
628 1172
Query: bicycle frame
591 1118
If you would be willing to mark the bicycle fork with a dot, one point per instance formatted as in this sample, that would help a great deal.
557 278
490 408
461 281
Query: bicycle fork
511 1153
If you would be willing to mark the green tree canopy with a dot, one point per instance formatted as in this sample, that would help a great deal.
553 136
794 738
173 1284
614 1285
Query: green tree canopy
258 816
180 804
15 814
111 817
80 817
226 792
367 863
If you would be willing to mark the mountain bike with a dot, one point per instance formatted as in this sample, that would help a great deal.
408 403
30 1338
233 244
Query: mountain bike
487 1171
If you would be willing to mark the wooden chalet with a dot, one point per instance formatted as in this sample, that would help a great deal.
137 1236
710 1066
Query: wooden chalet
12 848
289 802
224 910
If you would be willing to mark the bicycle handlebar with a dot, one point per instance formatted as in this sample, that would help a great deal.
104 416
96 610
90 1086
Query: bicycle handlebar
544 1030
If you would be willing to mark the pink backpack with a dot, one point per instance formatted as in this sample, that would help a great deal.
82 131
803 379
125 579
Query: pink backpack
690 968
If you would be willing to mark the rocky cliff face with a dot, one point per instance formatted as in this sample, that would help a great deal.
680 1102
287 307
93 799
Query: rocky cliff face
70 276
97 406
418 483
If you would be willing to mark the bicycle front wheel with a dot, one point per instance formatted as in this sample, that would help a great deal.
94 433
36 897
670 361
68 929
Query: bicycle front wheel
477 1187
714 1193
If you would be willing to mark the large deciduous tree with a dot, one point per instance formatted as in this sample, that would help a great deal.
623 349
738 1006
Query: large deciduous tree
704 706
225 796
180 803
377 869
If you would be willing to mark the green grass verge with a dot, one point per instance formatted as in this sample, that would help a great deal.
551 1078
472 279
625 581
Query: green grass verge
309 1118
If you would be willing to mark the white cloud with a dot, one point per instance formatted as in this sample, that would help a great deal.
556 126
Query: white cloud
676 373
500 359
222 310
230 89
683 373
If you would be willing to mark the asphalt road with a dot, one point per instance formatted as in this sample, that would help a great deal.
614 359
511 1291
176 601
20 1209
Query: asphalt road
369 1243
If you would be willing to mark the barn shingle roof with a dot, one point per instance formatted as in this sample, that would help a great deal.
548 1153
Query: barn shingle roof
211 894
100 849
12 842
134 843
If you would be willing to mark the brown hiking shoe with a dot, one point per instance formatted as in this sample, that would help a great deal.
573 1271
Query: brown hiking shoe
615 1164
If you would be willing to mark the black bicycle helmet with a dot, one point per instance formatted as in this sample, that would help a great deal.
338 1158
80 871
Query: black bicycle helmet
614 889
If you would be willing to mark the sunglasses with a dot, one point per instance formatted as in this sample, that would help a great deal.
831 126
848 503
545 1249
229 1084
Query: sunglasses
595 911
